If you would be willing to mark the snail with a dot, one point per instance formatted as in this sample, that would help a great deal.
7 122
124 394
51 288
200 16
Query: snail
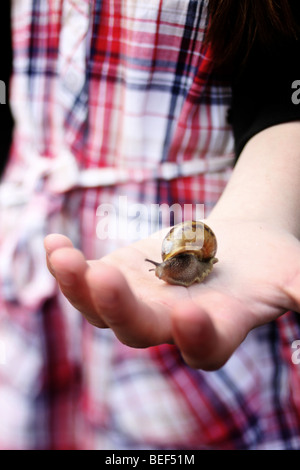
188 254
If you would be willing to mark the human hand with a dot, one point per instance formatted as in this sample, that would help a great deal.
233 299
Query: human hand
256 280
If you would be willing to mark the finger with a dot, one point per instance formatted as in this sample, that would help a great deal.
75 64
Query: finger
291 291
53 242
69 267
201 344
134 322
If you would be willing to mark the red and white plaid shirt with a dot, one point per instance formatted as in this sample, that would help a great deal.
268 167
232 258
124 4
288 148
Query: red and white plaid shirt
116 99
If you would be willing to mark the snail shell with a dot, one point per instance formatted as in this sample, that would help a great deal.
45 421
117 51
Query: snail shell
188 254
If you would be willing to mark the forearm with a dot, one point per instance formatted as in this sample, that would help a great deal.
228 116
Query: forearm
265 184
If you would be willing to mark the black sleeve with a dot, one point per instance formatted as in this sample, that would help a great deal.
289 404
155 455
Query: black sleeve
266 91
6 120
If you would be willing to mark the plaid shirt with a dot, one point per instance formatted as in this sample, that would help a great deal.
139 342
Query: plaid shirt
114 99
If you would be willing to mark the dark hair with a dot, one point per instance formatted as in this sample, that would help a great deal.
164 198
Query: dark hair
234 25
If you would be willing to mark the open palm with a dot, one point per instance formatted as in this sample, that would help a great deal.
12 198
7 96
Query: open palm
256 279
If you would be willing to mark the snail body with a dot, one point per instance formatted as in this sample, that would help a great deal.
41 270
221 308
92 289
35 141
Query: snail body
188 254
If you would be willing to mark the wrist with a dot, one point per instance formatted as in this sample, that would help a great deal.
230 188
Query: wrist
264 186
